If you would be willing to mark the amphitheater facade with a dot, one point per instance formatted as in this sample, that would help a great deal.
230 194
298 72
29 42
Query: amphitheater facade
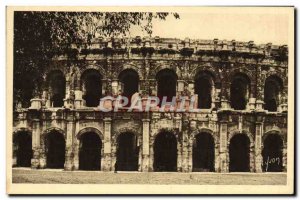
240 122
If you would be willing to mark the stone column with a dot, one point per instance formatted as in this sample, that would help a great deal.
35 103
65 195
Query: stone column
140 152
108 158
258 147
146 145
284 157
115 87
78 101
151 155
190 140
190 156
36 143
259 90
225 95
283 100
179 155
15 149
252 100
224 164
45 101
69 145
217 157
185 151
76 149
69 95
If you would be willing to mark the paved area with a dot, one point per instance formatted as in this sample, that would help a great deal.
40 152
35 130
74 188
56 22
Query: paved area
25 175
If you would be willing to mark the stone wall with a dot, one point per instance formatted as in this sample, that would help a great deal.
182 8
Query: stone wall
147 56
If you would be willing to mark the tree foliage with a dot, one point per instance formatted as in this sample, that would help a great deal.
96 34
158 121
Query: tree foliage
39 35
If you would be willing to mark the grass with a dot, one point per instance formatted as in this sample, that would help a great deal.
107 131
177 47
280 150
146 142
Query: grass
21 175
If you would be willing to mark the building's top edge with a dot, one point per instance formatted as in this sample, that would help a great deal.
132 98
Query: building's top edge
185 46
157 39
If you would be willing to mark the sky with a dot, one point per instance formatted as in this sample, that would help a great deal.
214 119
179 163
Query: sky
261 28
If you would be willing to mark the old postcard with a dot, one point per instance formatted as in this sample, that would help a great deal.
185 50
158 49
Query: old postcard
150 100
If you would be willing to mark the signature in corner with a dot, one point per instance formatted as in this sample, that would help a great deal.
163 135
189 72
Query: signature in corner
271 161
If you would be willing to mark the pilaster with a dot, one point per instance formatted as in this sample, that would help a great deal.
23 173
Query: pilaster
146 145
108 160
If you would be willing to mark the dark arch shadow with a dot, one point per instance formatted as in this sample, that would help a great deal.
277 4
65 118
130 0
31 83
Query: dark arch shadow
239 153
127 152
203 87
203 153
129 79
165 152
90 151
92 80
239 91
272 153
166 84
55 150
23 148
273 87
57 83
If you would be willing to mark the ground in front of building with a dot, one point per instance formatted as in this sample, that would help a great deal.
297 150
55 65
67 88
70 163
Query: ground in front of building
26 175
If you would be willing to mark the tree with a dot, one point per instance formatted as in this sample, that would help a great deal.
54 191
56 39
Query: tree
38 36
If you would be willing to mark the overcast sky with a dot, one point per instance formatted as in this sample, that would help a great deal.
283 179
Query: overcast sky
260 28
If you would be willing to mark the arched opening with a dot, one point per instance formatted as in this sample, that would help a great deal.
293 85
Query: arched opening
239 153
272 153
91 87
23 148
90 151
239 91
165 152
127 153
272 90
55 149
203 153
129 80
57 88
203 88
166 84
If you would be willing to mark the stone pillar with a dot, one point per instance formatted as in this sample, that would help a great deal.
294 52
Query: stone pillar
179 155
259 90
217 157
283 107
185 151
76 149
146 145
251 103
213 97
225 96
224 164
189 149
140 152
252 100
69 145
78 102
108 163
15 149
35 143
45 102
69 96
258 147
284 157
151 156
115 87
190 155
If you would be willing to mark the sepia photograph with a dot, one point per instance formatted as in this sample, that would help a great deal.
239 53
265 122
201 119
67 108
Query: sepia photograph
150 100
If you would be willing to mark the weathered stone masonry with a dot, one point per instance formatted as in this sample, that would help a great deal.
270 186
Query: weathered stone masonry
241 123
